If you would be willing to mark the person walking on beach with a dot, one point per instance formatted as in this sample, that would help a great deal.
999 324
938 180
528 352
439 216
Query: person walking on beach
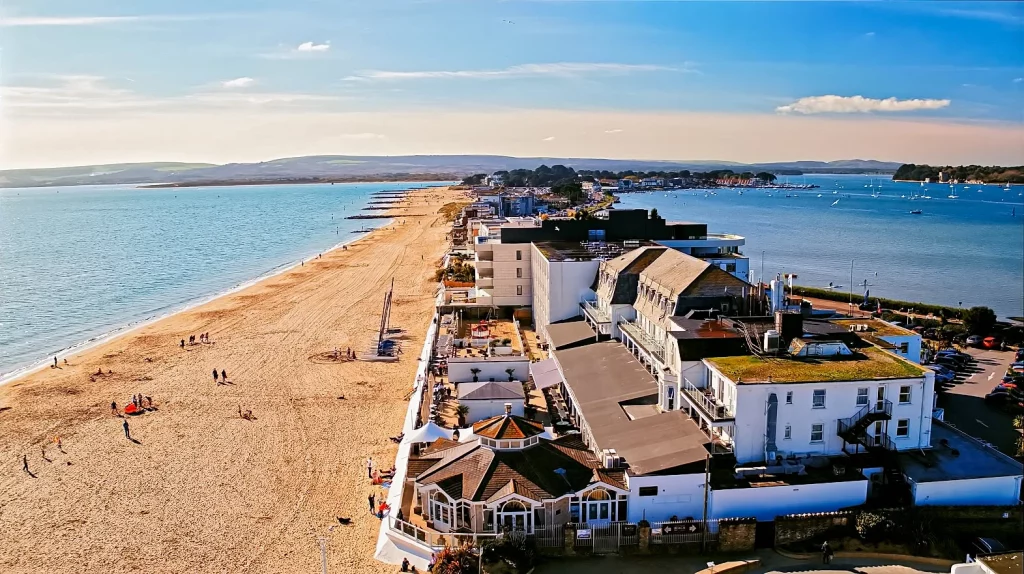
223 375
215 375
113 408
24 463
371 498
826 553
369 467
183 343
55 361
127 431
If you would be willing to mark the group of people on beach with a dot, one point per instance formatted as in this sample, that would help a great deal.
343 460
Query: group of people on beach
223 377
349 354
203 338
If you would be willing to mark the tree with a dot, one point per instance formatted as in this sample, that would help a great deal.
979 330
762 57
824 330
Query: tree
979 320
569 189
654 213
476 373
462 411
510 372
766 177
459 560
476 179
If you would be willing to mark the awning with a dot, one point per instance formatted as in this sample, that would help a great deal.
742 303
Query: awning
545 373
428 433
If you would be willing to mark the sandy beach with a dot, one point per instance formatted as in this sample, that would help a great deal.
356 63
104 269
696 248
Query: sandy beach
202 489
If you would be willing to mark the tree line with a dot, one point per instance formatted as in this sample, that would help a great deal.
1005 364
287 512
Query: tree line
987 174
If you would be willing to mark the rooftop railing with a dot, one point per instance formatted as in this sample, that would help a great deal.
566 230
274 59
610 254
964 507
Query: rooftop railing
709 404
648 343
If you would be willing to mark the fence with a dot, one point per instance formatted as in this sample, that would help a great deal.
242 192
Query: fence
684 532
549 537
436 540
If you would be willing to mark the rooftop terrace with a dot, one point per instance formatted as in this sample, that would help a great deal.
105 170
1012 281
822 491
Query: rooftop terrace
956 456
876 326
865 364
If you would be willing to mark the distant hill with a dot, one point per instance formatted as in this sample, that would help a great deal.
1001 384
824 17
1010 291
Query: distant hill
341 167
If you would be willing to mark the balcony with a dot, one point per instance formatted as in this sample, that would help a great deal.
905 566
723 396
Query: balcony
647 345
597 318
485 282
484 265
707 405
854 429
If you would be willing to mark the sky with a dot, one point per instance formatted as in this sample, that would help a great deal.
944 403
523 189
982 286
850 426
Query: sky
105 81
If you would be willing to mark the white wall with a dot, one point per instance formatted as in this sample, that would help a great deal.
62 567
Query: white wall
749 403
681 495
485 409
997 491
459 371
558 288
765 503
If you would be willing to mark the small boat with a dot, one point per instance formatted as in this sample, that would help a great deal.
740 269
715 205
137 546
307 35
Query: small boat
819 195
953 196
915 212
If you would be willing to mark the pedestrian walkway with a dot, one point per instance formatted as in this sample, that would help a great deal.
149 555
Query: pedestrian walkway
771 563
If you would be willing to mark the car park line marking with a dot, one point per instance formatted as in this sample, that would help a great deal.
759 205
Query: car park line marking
981 423
991 376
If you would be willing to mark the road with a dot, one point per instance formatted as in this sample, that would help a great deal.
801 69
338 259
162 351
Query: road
771 562
965 405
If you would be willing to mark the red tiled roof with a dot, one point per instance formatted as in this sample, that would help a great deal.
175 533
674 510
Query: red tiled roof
507 427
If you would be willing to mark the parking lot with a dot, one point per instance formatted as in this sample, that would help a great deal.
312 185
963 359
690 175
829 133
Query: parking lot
965 405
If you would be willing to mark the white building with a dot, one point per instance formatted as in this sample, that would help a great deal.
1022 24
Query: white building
896 340
503 271
491 399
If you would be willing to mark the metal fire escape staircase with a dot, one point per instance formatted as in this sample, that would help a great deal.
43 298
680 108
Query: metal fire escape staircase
854 430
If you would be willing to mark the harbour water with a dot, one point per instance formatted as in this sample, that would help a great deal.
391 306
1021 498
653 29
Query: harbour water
965 251
78 263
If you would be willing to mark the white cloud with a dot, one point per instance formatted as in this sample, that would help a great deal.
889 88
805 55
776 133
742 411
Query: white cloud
832 104
243 82
869 34
303 50
548 139
1018 80
614 131
559 69
311 47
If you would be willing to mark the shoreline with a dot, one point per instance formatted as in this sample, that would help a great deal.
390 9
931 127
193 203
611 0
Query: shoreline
127 328
198 486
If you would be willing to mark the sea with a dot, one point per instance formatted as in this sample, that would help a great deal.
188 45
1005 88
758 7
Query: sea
962 251
80 264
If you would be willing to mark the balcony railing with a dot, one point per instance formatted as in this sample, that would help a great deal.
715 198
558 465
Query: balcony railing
648 343
595 312
867 414
707 403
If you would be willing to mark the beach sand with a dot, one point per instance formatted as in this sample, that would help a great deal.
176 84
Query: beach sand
204 490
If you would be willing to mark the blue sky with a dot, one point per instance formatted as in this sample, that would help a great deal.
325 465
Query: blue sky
276 78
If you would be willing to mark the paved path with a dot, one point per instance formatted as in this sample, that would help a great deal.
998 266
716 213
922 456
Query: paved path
688 564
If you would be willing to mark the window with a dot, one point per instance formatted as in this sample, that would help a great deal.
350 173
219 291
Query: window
862 397
788 433
514 515
902 428
519 255
904 348
904 394
519 272
817 432
789 397
488 520
648 491
519 289
818 401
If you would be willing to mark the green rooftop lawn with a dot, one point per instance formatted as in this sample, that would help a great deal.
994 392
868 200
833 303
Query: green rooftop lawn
866 364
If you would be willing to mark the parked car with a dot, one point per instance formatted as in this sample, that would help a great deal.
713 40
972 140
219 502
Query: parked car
990 343
974 341
987 546
950 362
955 353
943 374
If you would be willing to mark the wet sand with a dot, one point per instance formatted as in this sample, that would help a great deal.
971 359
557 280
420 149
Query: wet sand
202 489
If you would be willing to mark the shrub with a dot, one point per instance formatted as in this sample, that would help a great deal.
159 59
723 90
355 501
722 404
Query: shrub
513 548
874 527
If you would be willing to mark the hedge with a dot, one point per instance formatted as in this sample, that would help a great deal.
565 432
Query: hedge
922 308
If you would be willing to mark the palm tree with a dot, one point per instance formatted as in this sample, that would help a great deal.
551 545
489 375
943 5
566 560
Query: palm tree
475 372
463 412
510 372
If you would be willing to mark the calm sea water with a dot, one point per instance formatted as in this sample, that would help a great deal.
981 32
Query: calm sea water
968 250
79 262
